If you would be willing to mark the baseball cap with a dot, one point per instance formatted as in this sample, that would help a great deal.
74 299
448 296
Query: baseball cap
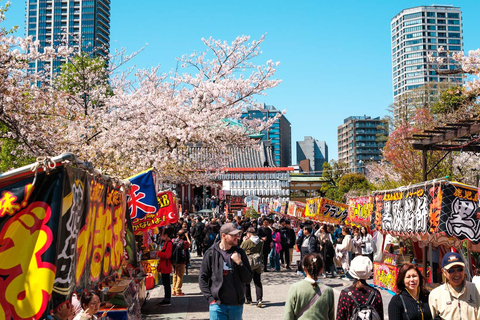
229 228
361 268
451 259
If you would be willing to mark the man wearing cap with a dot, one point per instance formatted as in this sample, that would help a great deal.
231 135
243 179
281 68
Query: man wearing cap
223 274
457 298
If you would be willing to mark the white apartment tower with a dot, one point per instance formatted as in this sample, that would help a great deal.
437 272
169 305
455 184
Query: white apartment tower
416 32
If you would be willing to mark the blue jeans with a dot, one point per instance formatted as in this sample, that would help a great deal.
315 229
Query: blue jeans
224 312
274 259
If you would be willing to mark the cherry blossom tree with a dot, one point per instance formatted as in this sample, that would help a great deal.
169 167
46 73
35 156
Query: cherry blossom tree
185 124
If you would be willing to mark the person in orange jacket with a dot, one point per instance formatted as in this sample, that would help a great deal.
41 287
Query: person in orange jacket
165 264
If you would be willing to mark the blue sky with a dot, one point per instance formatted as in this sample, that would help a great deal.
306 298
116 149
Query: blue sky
335 56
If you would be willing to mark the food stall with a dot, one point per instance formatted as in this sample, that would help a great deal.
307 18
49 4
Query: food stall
436 212
68 231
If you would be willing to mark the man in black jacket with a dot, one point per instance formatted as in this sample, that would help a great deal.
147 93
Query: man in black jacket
284 241
198 234
307 243
223 274
265 233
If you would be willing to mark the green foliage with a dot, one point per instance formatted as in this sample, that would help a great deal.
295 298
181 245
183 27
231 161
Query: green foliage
86 79
251 213
333 171
8 160
453 99
353 182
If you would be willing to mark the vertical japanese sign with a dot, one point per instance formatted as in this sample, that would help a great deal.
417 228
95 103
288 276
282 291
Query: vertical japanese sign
360 211
29 218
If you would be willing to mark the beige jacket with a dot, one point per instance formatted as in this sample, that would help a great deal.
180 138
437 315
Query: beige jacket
445 302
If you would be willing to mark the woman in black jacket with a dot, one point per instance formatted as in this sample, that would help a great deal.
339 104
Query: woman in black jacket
411 300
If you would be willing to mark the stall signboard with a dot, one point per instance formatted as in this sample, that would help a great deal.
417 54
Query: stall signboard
385 276
65 230
296 209
312 209
436 207
166 214
360 211
332 211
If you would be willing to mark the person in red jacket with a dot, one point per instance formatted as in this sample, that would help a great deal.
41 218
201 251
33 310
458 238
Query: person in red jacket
165 264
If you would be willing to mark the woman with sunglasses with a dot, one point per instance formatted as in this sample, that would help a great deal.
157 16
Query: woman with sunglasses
456 298
411 301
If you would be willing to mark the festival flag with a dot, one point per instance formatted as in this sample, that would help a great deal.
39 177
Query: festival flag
142 200
166 214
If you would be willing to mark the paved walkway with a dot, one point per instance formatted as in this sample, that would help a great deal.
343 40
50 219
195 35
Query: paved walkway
275 288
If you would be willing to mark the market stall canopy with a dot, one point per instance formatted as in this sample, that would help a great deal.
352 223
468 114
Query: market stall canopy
429 211
62 226
326 210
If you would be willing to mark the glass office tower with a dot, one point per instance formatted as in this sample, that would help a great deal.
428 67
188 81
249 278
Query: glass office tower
83 24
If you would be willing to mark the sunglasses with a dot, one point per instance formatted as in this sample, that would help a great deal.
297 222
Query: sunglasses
453 269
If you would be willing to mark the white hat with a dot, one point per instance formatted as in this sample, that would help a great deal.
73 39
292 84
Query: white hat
361 268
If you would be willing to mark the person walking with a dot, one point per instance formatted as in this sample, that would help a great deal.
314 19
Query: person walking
291 237
327 252
359 292
307 243
276 248
343 250
411 300
198 234
265 233
165 265
366 243
456 298
179 259
309 298
284 237
253 247
223 274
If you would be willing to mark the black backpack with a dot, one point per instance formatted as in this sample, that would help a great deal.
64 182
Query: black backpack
364 311
178 252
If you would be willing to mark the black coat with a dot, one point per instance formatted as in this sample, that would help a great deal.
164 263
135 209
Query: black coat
211 274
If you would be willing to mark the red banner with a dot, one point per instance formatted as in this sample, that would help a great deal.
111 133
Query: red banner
360 211
166 214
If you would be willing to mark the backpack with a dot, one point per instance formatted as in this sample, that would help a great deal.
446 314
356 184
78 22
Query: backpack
178 252
255 260
212 238
364 311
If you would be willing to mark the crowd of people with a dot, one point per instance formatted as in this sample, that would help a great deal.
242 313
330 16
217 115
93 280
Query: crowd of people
238 250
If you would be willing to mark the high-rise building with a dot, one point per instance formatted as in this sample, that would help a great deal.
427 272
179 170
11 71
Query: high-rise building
415 32
361 140
315 151
82 24
280 133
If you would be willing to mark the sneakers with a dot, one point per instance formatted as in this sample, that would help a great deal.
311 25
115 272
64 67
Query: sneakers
288 268
164 303
248 302
323 276
259 303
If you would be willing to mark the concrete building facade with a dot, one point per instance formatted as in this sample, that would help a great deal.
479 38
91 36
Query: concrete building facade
361 140
314 150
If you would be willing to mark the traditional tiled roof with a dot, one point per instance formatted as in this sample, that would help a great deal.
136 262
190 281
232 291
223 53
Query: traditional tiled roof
241 157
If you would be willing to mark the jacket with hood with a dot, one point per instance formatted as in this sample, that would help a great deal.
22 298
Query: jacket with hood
211 274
